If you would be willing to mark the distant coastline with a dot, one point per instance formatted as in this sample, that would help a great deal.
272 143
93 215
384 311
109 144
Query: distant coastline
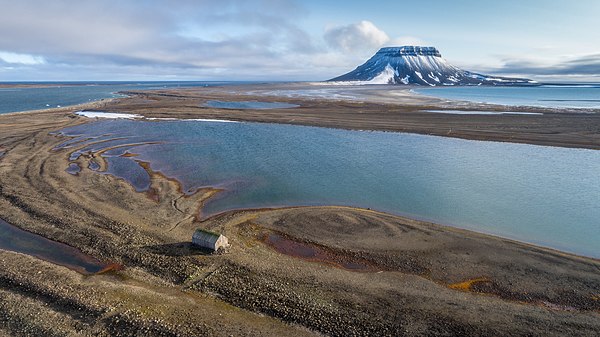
584 97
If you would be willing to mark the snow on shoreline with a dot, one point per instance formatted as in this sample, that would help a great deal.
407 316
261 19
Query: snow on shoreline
115 115
109 115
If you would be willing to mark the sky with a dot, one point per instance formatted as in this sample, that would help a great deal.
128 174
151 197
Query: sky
287 40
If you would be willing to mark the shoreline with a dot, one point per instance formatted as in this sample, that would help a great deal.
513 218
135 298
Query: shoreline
447 226
435 279
397 110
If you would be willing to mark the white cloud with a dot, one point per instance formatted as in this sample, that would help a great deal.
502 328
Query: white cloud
359 36
363 36
405 41
25 59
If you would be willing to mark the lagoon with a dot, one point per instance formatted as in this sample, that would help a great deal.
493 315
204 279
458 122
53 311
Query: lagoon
542 195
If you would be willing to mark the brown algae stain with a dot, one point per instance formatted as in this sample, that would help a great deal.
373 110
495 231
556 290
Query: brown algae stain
315 253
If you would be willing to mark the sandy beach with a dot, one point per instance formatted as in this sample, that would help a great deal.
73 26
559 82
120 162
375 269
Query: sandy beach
335 271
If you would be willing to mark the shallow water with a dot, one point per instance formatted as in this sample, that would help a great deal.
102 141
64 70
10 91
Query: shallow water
73 169
542 195
20 241
553 96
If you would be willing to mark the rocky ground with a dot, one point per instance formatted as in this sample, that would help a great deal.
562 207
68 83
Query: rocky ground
334 271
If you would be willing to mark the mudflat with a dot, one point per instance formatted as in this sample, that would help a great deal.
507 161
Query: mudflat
294 271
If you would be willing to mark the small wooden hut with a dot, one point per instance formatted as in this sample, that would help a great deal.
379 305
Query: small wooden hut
209 240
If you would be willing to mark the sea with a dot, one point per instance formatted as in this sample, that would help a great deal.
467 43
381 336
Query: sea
579 96
59 94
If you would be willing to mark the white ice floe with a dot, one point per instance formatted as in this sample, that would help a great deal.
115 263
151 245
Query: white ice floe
110 115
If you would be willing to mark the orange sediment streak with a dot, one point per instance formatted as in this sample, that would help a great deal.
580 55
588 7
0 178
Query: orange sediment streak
110 267
466 285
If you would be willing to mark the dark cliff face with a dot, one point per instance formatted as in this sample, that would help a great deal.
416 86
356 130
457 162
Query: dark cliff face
421 66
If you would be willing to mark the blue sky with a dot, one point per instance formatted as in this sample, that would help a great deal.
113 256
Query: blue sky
290 40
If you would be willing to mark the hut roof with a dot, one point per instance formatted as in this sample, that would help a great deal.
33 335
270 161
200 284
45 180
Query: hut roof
204 235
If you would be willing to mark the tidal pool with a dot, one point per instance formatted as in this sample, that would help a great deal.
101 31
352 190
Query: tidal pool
15 239
543 195
73 169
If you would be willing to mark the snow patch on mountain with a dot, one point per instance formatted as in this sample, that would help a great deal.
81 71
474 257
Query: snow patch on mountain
385 77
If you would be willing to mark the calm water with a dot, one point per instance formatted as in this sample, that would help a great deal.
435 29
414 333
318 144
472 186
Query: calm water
18 240
543 195
575 96
23 99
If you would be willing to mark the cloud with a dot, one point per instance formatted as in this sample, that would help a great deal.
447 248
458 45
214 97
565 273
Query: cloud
26 59
363 37
585 65
355 37
405 41
101 36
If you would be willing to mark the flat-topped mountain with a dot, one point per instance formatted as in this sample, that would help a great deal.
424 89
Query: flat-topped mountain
422 66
